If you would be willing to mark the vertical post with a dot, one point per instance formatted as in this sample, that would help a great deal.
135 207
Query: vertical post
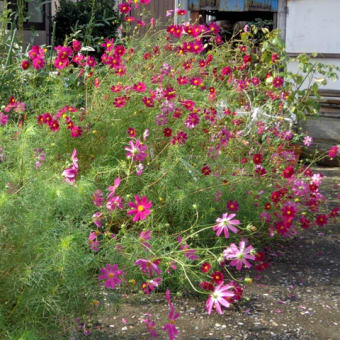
175 14
282 18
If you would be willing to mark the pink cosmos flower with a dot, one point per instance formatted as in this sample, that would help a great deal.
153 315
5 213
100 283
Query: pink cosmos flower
278 82
141 209
225 223
219 297
196 81
189 253
54 125
308 141
161 119
40 156
120 102
64 52
170 327
150 325
91 61
151 285
167 107
124 8
140 169
3 119
144 236
141 23
71 172
112 189
97 218
76 45
192 120
111 275
78 59
93 241
60 64
139 87
76 131
38 63
300 188
289 210
36 52
333 151
239 256
98 198
148 267
136 151
114 202
255 81
182 80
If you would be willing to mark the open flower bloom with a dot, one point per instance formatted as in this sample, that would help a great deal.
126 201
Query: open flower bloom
71 172
170 327
136 151
239 256
111 275
151 327
151 285
219 297
3 119
148 267
144 236
141 209
225 223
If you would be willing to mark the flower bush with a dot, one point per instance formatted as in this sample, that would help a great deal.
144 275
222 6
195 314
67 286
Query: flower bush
182 171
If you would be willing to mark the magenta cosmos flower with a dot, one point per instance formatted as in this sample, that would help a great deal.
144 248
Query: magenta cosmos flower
170 327
333 151
148 267
219 297
136 151
239 256
224 223
141 209
110 274
71 172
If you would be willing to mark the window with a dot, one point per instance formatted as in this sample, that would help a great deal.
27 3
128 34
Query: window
36 15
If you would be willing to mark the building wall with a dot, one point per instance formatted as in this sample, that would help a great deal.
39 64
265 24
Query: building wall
314 26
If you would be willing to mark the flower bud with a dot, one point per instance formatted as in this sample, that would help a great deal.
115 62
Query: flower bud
248 280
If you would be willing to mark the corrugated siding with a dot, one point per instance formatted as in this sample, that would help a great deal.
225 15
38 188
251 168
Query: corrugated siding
234 5
157 9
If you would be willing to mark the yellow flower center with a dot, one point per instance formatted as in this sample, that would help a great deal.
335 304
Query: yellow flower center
141 208
111 275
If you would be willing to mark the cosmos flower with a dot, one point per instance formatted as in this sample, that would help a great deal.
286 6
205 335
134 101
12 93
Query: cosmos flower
239 256
141 209
111 274
148 267
224 223
218 298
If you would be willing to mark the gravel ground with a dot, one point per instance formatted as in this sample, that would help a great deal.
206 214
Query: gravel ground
298 297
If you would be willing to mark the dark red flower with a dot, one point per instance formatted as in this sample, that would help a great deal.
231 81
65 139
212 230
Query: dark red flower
206 171
321 220
232 206
205 267
258 159
167 132
217 277
288 172
262 266
207 285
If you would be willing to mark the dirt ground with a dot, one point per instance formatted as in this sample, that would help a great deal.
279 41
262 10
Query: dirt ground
298 297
